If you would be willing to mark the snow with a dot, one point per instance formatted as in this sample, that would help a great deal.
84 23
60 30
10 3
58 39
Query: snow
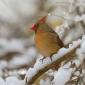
15 46
39 65
1 73
14 81
15 17
64 72
11 81
2 82
25 56
62 76
31 52
18 61
24 59
30 73
3 64
45 82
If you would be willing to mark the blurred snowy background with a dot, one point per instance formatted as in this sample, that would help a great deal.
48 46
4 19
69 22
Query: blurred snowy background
17 48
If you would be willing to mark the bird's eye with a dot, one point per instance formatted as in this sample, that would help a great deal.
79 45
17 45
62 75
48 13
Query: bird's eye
34 26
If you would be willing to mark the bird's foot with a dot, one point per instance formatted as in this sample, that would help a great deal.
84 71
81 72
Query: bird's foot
45 57
42 59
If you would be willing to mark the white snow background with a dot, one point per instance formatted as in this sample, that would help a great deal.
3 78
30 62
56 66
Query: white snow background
16 39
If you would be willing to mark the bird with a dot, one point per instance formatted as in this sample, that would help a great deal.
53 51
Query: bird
46 39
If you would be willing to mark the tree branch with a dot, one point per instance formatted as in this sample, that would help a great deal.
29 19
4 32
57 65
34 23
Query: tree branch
55 63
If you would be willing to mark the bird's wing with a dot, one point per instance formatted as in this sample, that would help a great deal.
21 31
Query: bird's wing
57 39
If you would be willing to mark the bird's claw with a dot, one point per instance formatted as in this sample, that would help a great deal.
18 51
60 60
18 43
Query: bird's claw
42 59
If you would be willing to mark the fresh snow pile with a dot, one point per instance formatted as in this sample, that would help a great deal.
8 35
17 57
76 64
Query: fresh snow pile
62 75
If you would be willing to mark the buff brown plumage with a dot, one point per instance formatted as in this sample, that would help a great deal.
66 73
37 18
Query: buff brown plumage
47 40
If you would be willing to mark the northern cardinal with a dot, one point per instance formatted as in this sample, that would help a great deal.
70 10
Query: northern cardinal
47 40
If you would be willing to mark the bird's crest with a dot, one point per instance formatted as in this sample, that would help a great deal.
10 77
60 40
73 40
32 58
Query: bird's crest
42 20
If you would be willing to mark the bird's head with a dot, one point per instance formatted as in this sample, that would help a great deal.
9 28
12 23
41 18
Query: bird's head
36 25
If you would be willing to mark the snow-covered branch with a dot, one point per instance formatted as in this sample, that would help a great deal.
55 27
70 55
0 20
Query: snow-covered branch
40 68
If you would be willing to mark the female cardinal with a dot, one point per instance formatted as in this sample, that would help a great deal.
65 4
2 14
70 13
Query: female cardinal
47 40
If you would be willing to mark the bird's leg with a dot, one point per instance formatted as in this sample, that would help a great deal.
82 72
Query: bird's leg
51 58
43 59
26 80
